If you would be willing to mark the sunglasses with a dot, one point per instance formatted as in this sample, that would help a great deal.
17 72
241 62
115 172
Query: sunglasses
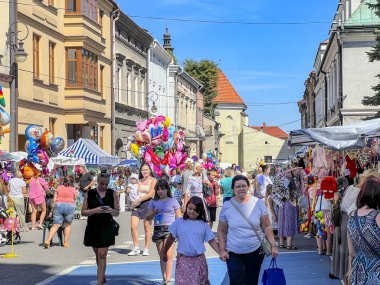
105 175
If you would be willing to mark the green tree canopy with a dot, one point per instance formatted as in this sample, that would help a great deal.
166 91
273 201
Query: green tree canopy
374 55
206 73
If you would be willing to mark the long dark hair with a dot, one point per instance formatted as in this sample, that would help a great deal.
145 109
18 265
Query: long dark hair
199 208
150 170
369 194
162 184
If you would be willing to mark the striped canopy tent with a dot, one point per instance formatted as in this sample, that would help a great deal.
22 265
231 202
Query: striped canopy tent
90 152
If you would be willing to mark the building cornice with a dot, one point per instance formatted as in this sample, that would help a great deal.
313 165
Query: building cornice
88 43
128 25
157 48
124 42
231 106
47 108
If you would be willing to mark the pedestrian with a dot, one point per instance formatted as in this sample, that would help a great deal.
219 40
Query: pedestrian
178 193
287 212
226 185
100 205
364 234
211 201
272 208
127 176
195 185
120 189
233 168
86 181
64 210
263 180
37 193
146 193
164 210
239 244
18 192
191 232
189 171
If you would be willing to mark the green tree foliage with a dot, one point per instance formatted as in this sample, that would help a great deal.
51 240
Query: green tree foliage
374 55
206 73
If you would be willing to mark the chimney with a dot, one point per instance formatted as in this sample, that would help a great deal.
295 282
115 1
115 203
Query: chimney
264 125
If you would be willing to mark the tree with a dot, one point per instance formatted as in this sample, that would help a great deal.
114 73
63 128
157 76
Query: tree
374 55
206 73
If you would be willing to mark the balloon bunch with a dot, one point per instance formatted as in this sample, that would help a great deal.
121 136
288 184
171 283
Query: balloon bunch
4 116
159 144
40 146
211 161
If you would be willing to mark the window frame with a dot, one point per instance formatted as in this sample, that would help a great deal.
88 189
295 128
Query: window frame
52 62
36 56
88 8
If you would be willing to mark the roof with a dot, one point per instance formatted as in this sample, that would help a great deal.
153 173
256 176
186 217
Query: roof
273 131
226 92
363 16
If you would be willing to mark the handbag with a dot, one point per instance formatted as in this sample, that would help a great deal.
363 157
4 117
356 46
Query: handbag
211 200
273 275
265 244
207 191
362 236
115 225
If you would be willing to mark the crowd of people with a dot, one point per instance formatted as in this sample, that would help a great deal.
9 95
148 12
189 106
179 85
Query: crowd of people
182 207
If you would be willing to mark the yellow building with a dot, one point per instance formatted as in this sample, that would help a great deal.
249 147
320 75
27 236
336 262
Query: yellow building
65 83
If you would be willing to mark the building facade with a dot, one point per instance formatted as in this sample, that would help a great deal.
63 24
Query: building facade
73 99
307 104
131 96
158 75
344 74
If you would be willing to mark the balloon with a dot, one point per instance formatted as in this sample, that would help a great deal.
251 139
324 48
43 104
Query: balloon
159 151
178 156
31 147
165 146
33 132
4 117
139 136
43 157
146 137
165 134
141 125
167 122
10 224
159 130
46 139
154 157
171 143
157 170
182 166
165 161
183 158
172 160
33 158
167 170
156 142
179 146
5 131
171 130
151 129
57 145
135 149
128 146
147 157
160 119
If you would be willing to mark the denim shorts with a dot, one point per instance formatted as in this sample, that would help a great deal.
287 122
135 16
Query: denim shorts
81 196
63 213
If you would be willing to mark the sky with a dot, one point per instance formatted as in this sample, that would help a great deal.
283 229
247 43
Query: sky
266 63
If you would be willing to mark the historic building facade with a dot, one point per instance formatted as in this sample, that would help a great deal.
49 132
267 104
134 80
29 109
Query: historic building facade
131 80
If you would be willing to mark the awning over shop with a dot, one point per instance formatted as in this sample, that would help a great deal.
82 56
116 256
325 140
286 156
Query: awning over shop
338 138
90 152
64 160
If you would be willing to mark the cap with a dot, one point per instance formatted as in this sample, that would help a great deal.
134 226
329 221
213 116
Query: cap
134 176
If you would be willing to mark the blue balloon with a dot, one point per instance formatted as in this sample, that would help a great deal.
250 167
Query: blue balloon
31 147
152 132
159 130
171 143
171 130
33 158
57 145
33 132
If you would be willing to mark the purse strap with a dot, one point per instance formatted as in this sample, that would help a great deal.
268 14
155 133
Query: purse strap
356 217
99 199
246 219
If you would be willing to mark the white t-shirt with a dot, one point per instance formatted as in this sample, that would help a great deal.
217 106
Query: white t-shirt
349 199
264 181
191 236
15 187
241 238
326 204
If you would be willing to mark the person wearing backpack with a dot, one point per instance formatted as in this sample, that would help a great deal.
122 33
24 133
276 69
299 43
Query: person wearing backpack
211 201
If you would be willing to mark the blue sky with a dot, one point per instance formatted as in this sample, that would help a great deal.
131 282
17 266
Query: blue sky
265 63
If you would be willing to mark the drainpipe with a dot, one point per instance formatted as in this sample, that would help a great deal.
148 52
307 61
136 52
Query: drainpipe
175 96
114 17
340 51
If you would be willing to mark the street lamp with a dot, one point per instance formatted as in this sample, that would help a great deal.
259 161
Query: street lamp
17 54
153 98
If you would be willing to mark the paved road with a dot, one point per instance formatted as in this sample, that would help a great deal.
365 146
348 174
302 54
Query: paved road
75 265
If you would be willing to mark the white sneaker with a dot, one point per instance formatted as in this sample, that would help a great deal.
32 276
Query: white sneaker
134 252
145 252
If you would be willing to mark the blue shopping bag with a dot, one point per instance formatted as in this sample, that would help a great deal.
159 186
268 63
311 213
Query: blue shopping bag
273 275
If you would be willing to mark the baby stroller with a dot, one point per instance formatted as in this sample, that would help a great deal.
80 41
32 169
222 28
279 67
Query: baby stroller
48 223
5 234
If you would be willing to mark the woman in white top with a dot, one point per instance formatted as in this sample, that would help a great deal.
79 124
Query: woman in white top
239 245
194 184
17 192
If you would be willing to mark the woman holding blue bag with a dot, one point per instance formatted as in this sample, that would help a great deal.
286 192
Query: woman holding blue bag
243 225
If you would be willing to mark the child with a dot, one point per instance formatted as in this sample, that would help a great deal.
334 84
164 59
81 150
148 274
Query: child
191 232
178 194
132 189
272 208
120 188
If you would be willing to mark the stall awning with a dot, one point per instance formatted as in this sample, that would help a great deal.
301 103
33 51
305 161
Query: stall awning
338 138
90 152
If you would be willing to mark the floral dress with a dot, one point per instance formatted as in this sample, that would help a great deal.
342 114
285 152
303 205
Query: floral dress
366 264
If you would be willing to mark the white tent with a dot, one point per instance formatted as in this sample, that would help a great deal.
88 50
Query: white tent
90 152
64 160
338 138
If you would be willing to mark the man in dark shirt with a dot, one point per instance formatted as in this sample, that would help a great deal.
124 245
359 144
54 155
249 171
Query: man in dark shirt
86 181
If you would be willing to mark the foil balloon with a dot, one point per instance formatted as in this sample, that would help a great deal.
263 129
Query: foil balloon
33 132
141 125
146 137
10 224
167 122
31 147
159 151
57 145
138 136
135 149
4 117
33 158
165 134
46 139
147 158
43 157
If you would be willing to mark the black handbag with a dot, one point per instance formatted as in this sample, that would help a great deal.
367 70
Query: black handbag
115 225
207 190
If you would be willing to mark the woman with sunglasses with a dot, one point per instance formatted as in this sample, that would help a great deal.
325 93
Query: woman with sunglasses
164 209
146 192
100 205
239 245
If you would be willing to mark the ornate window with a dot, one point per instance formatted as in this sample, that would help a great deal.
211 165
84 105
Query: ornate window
87 8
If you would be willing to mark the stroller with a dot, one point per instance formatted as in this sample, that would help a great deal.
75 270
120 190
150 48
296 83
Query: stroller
48 223
6 235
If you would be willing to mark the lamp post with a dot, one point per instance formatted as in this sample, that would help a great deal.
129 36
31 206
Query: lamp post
153 96
17 54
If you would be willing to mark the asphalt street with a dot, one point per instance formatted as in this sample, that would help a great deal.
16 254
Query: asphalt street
76 264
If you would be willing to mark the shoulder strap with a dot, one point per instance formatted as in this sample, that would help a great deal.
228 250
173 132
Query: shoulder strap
362 236
99 199
246 219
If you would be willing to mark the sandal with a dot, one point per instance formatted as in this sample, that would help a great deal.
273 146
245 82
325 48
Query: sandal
46 245
282 246
291 247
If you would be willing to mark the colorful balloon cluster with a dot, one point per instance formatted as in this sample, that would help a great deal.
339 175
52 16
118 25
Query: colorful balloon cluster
40 146
211 161
159 144
4 116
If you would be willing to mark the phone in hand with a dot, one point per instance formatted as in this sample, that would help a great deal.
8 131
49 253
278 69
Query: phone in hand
104 208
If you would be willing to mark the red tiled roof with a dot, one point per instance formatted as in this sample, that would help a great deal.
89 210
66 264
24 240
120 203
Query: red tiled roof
273 131
226 92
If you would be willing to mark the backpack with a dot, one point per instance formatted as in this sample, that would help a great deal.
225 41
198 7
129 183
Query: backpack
207 190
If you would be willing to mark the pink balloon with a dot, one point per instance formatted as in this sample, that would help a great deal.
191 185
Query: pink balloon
147 137
183 159
178 156
182 166
44 159
10 224
139 136
172 160
160 119
156 142
165 134
157 170
141 125
147 157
